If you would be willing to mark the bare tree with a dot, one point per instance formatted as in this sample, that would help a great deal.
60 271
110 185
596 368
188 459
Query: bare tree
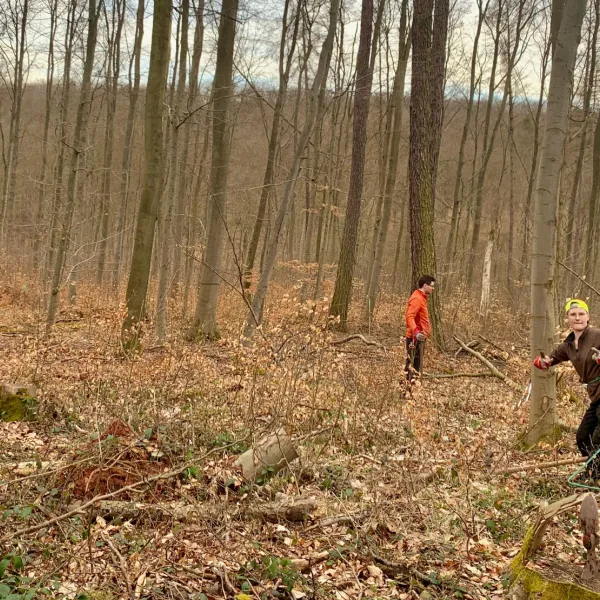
255 313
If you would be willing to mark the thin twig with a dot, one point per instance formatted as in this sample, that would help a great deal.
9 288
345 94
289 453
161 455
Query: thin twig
562 264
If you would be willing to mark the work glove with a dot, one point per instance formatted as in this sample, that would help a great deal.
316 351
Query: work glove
596 355
542 362
420 336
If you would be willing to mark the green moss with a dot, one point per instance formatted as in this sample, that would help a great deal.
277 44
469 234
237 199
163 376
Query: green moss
17 407
539 588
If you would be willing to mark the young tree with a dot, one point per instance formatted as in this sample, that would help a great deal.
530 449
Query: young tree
542 415
285 66
255 313
137 286
205 318
75 181
429 34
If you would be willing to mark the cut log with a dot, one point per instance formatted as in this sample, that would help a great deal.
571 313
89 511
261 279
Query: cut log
270 454
546 465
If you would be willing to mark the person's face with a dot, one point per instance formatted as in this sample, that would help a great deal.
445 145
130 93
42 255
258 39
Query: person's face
578 319
428 288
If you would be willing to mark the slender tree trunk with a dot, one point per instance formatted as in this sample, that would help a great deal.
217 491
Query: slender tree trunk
37 240
190 202
134 93
451 244
113 71
255 315
542 415
75 182
205 318
362 96
19 15
173 195
390 183
285 65
137 287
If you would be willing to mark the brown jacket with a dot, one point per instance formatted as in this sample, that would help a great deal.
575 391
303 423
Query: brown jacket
581 358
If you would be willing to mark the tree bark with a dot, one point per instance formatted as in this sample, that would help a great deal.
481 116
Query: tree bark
137 286
429 34
542 415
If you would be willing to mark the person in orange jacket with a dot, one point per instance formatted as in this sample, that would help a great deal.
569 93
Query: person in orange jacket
418 327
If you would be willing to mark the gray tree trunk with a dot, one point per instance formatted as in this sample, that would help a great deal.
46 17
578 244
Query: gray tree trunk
542 415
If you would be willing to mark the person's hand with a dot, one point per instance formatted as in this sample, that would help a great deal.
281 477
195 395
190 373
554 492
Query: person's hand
420 337
542 362
596 355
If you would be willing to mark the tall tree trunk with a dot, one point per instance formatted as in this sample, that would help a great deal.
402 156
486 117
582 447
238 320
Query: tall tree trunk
362 95
591 240
173 195
134 93
190 202
451 244
285 65
534 163
137 286
37 240
390 182
113 71
75 182
542 415
70 34
19 17
254 317
429 34
205 318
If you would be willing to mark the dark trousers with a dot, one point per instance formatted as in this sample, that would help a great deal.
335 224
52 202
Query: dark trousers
414 358
588 433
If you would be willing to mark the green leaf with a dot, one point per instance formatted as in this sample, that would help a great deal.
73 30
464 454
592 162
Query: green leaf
17 562
3 566
148 433
4 590
30 594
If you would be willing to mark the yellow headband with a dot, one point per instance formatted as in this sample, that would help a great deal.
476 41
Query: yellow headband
576 303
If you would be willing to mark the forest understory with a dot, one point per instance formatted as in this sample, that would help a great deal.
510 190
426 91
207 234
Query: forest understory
401 493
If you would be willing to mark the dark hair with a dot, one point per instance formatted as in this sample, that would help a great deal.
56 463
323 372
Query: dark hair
425 280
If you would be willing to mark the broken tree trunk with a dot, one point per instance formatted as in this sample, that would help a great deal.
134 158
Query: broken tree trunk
553 579
270 454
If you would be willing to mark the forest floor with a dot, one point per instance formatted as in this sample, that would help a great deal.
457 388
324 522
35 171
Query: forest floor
409 498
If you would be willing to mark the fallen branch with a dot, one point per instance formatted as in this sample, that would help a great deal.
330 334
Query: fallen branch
546 465
362 338
305 564
488 364
337 520
452 375
127 488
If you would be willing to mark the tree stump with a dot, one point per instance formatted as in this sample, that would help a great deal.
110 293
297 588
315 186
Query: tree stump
268 456
554 580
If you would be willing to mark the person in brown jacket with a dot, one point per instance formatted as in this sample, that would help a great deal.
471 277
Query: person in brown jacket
418 327
581 348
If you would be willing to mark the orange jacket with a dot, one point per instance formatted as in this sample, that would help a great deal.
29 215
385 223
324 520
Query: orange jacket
417 315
